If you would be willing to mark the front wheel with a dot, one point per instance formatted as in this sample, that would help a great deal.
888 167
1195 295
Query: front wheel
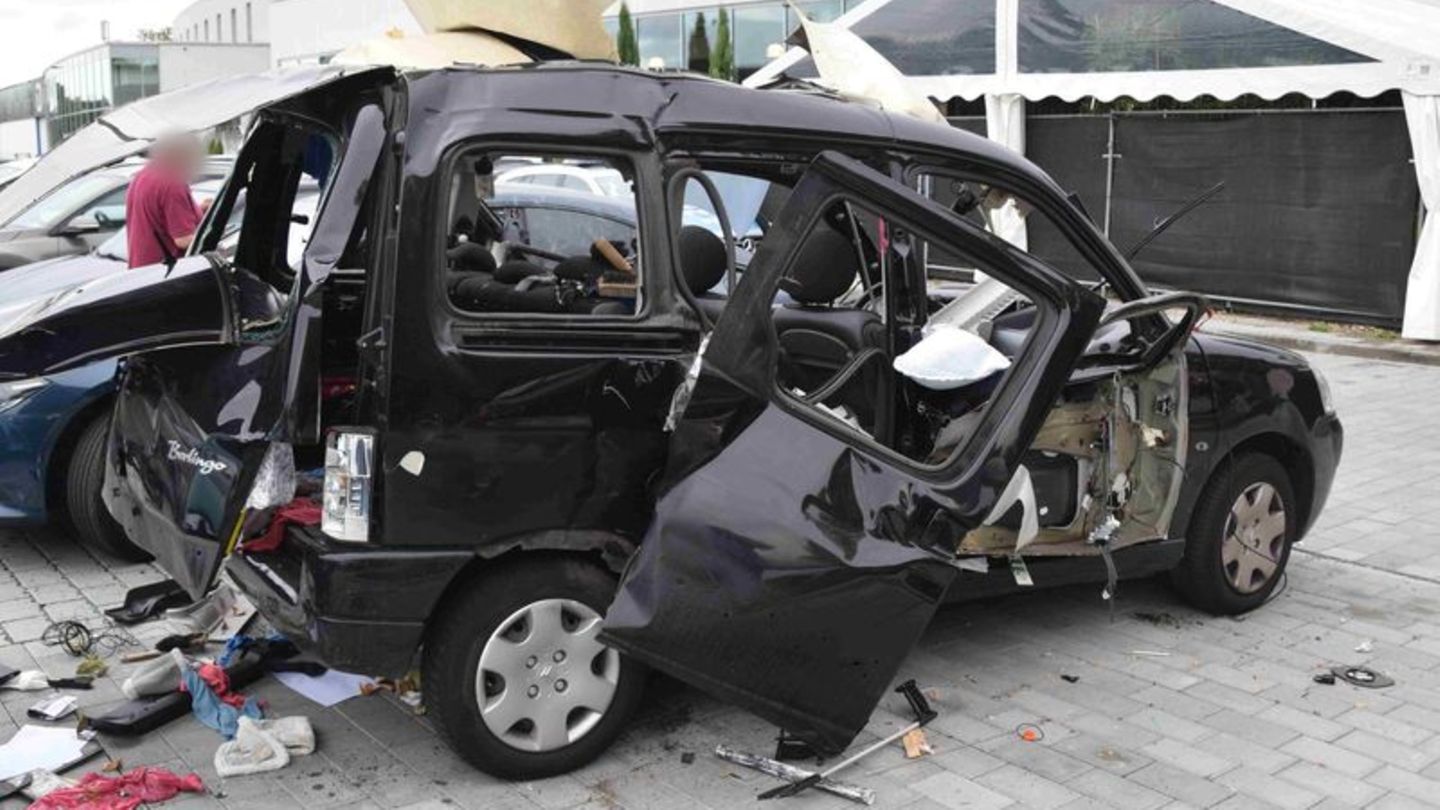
1240 537
515 677
84 483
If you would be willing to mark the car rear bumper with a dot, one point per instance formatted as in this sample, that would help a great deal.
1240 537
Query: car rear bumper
357 609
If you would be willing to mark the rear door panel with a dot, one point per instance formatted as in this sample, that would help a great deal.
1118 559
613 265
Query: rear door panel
790 568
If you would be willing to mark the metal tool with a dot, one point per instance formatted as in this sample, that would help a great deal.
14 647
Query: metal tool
790 773
923 715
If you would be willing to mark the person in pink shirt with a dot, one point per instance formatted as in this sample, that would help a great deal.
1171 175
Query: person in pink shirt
160 215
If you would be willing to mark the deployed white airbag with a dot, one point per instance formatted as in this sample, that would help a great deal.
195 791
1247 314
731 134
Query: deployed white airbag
950 358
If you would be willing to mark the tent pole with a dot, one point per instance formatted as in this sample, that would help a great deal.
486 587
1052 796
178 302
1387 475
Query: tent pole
1109 172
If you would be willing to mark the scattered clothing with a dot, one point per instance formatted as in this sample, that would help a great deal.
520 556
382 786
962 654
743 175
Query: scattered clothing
264 745
217 709
149 600
299 512
30 680
124 792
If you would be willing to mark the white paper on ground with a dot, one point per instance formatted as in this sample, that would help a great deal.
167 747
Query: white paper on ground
328 689
39 747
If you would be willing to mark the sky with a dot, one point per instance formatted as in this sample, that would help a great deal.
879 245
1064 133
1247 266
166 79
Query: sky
35 33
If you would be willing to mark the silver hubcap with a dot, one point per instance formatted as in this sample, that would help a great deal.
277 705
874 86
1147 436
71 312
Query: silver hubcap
1254 538
544 680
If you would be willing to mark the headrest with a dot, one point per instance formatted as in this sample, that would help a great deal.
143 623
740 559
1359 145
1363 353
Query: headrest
468 257
824 269
515 271
702 258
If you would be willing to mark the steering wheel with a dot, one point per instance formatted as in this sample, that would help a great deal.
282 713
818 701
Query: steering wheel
534 251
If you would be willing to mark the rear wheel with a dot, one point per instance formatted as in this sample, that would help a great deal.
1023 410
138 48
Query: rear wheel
515 677
84 482
1239 539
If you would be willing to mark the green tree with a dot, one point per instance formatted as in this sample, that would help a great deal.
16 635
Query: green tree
625 40
699 57
722 57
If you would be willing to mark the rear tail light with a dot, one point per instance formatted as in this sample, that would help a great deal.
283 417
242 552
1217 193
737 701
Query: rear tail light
349 457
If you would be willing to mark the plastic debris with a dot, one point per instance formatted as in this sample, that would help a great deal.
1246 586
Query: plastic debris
158 677
1363 677
1365 646
1029 732
264 745
916 744
52 708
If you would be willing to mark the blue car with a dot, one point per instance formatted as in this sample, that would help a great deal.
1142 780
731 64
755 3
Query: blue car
53 429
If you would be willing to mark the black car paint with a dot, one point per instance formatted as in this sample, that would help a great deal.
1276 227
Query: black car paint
516 416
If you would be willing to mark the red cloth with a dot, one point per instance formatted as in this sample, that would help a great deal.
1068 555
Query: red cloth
301 512
158 206
214 676
127 791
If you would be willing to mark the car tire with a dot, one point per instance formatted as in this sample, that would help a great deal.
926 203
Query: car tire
84 482
1240 537
512 620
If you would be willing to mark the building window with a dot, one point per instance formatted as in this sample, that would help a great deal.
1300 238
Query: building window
757 28
249 23
219 31
207 30
662 43
234 27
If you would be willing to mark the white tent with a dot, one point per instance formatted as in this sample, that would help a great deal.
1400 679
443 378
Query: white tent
1009 51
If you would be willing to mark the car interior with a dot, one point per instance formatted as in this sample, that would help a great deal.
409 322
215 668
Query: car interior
521 247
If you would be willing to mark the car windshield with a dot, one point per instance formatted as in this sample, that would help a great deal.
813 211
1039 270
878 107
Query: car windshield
64 201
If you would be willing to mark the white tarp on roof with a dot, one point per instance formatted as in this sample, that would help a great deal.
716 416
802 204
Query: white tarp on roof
1402 37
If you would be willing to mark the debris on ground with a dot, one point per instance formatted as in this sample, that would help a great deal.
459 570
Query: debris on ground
327 689
79 640
1365 646
213 703
1162 619
1070 678
687 758
148 601
52 708
1150 653
44 747
790 773
1326 678
124 792
10 787
264 745
916 744
1029 732
1363 677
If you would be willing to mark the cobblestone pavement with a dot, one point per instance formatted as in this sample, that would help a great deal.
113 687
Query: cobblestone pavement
1227 716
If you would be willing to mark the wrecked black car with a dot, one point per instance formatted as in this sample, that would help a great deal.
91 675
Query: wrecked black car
556 446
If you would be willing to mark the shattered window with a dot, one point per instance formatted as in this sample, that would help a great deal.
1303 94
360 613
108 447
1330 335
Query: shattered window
1098 36
544 234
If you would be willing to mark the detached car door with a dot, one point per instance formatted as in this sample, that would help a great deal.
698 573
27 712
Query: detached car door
792 564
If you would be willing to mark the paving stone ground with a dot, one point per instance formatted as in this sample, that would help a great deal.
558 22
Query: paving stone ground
1229 717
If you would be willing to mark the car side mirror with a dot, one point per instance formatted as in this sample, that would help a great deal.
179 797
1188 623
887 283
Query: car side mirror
79 226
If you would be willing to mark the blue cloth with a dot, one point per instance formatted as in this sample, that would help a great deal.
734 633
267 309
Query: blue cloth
239 643
211 710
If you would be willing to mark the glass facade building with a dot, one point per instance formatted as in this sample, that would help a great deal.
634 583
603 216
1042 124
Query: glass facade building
80 88
684 39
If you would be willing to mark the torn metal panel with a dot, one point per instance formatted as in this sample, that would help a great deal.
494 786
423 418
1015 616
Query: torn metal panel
91 319
764 567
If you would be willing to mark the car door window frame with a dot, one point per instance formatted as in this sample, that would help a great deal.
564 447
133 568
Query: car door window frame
1052 293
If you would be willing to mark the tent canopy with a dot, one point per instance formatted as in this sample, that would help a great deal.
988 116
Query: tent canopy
1072 49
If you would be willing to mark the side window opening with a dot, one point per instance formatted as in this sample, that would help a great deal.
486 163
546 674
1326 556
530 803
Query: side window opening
914 388
543 234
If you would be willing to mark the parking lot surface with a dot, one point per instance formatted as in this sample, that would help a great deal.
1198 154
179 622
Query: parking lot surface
1151 705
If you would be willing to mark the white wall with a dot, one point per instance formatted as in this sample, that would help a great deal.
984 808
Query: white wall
303 31
190 26
183 64
18 139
